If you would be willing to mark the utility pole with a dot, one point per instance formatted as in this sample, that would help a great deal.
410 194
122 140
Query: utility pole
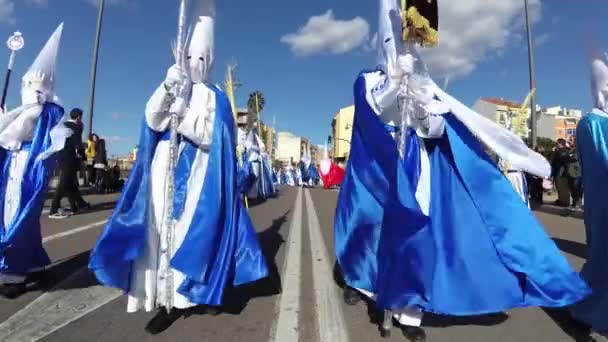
532 78
94 68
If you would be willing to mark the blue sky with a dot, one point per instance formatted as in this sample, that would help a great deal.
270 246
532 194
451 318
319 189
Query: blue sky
303 55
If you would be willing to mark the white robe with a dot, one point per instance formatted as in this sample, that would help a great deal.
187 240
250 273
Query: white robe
154 283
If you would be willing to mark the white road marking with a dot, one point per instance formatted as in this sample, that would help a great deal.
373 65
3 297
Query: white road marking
56 309
328 307
287 324
74 231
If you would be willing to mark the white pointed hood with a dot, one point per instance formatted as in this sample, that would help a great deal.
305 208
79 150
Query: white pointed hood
41 76
325 164
199 56
599 81
389 40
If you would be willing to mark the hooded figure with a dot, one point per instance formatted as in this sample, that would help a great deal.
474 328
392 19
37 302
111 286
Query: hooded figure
209 243
308 170
30 136
331 173
592 145
515 175
262 188
419 188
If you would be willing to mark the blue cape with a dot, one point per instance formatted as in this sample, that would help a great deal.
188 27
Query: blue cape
268 179
592 144
366 192
21 242
430 262
246 176
220 247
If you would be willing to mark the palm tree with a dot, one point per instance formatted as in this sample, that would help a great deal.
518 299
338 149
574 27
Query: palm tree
256 106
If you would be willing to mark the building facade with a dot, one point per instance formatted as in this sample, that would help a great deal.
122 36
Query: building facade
341 133
289 148
552 122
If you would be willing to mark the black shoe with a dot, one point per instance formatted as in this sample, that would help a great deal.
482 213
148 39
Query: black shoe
163 320
414 334
12 291
351 296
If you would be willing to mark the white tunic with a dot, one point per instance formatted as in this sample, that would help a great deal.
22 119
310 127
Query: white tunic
154 283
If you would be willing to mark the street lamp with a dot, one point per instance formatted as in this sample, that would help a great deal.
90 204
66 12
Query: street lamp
532 80
94 68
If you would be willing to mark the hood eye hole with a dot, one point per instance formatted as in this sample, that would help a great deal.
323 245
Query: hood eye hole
387 40
201 59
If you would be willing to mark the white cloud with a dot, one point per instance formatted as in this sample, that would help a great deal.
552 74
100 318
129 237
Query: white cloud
114 138
474 30
325 33
7 12
44 3
117 116
542 39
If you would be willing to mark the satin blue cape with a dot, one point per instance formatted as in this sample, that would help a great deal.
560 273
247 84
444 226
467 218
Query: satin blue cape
366 192
246 176
592 144
21 248
220 247
432 263
269 179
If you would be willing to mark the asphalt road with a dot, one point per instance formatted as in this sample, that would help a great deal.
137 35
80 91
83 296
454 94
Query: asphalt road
300 301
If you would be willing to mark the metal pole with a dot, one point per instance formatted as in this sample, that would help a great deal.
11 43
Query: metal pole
532 80
94 68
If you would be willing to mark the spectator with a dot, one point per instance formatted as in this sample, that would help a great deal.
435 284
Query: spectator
561 156
69 160
536 183
573 173
100 163
90 153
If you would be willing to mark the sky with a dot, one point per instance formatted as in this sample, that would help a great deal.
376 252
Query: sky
303 55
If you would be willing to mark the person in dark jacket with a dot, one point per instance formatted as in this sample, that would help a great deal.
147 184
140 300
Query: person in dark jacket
69 163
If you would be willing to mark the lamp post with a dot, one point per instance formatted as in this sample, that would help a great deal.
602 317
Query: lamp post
94 68
532 80
14 43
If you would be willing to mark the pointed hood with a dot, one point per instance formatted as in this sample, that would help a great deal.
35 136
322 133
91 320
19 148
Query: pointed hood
390 31
41 76
599 81
199 56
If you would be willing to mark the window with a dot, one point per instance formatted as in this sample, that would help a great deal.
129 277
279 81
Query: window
571 131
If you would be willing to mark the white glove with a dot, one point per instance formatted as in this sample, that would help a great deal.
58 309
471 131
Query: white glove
178 107
175 76
406 63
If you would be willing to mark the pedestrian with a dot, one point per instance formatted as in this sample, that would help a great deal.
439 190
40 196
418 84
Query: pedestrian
592 138
100 164
190 236
90 153
559 162
70 159
573 174
536 183
30 137
419 189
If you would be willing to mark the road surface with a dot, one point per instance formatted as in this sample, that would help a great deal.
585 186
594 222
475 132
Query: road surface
300 301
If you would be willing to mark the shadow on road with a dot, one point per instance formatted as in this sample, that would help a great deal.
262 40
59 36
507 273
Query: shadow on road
579 332
572 247
236 299
52 279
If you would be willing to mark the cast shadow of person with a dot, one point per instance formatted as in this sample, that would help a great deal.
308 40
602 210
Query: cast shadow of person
237 298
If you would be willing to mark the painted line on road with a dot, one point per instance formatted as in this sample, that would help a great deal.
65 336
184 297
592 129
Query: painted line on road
330 318
66 303
74 231
287 324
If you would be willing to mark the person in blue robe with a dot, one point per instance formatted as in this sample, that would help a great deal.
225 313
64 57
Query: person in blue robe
419 187
30 137
175 250
246 176
592 145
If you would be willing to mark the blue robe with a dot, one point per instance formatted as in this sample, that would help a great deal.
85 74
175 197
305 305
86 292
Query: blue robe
246 176
386 245
21 248
269 179
220 248
592 144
